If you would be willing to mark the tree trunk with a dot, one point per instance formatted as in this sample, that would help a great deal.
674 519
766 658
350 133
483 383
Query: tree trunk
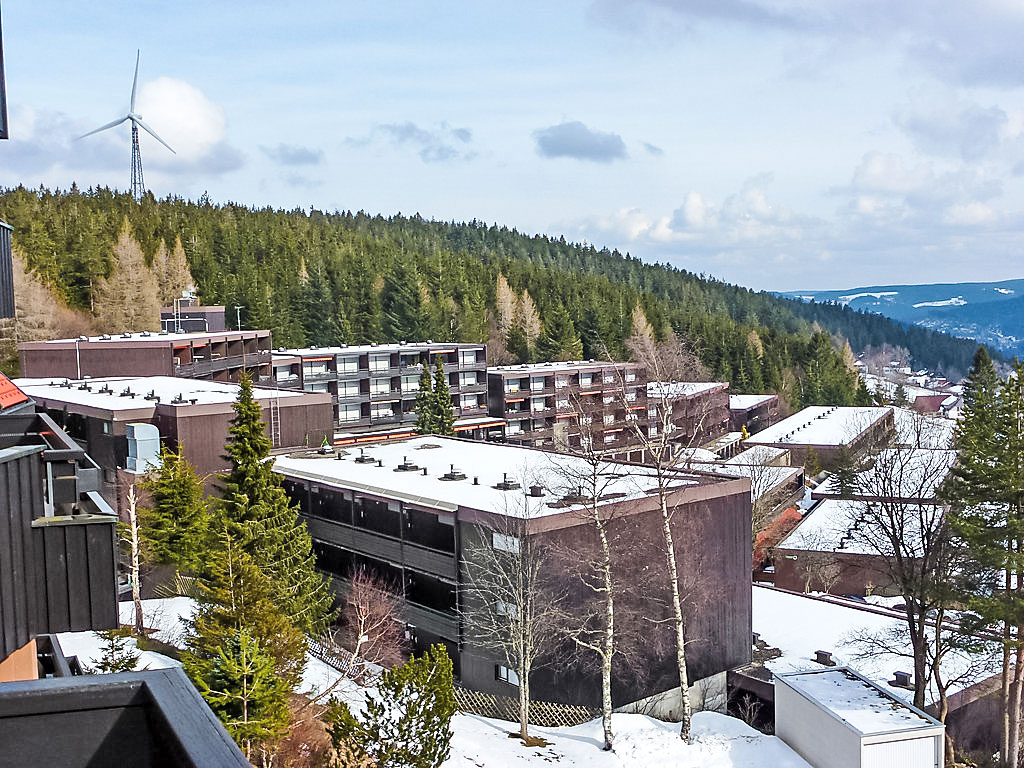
1004 702
1013 748
677 607
133 524
609 644
524 705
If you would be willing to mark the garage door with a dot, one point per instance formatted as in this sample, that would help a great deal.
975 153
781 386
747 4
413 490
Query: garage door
912 753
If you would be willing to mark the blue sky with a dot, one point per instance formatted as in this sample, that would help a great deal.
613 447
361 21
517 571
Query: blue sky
784 145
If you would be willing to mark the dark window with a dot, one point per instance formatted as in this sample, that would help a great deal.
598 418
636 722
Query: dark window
378 516
334 560
331 505
429 592
425 529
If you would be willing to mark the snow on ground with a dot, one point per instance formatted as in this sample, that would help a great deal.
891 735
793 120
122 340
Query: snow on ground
872 294
165 615
718 742
956 301
88 647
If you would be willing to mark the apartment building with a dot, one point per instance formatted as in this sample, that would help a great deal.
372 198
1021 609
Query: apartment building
211 356
563 405
419 513
699 409
373 387
753 412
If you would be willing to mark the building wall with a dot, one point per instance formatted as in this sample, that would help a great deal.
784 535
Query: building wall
757 418
41 360
857 574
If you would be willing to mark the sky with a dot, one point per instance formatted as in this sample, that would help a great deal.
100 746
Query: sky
796 144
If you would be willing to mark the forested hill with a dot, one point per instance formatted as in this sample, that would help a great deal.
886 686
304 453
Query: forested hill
319 278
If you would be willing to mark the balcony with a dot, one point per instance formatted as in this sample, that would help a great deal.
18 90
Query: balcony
386 394
395 418
203 367
319 375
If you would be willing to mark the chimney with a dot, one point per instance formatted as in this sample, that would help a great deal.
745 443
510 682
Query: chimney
903 680
824 658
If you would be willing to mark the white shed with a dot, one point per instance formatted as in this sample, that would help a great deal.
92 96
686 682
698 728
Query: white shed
836 718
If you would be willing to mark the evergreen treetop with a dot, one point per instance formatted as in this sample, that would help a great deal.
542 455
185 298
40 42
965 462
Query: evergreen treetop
445 418
426 404
176 529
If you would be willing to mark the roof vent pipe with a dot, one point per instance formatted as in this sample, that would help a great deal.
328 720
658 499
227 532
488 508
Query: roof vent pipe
824 658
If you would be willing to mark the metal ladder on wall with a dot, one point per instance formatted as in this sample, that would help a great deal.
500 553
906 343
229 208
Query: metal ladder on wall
275 422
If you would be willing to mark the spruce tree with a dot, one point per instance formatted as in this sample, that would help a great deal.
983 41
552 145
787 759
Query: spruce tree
401 304
445 424
258 513
426 404
119 653
176 528
559 340
407 723
900 398
243 653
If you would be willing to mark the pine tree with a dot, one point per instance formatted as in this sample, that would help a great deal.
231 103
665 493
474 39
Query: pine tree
317 305
426 404
243 653
401 304
845 473
443 401
118 653
176 528
408 722
986 491
900 398
559 341
258 513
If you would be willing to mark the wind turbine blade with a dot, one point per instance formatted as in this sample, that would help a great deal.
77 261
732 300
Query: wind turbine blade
152 133
135 82
104 127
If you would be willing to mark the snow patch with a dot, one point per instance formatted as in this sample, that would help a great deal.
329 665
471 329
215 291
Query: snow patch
1005 291
875 295
956 301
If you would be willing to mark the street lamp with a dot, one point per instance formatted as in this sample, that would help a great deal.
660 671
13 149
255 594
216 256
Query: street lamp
238 317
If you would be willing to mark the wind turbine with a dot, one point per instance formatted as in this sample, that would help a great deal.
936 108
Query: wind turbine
138 185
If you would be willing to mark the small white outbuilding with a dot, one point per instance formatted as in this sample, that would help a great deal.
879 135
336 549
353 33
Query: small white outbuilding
836 718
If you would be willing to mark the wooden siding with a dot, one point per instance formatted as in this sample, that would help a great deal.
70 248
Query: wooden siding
20 494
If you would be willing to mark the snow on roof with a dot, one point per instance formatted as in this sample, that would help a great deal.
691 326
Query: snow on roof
675 389
821 425
490 462
868 709
800 625
764 479
154 337
843 525
888 388
758 454
746 402
923 431
359 349
899 473
567 366
167 388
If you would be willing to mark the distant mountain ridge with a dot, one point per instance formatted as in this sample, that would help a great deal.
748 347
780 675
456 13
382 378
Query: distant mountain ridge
991 313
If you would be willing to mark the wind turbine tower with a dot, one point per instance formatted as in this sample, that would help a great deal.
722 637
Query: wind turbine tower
138 185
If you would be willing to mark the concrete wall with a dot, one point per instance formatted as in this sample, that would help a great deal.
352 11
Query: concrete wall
812 733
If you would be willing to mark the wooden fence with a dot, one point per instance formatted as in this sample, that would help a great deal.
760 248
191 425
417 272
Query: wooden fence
545 714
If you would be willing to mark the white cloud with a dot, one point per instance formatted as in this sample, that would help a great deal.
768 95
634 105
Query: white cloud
194 126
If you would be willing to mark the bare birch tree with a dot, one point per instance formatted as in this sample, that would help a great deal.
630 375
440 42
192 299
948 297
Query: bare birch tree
509 605
133 539
371 628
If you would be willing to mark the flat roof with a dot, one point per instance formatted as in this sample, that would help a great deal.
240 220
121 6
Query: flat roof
746 402
150 337
167 388
800 625
359 349
758 454
675 389
569 366
863 706
821 425
558 474
845 525
898 473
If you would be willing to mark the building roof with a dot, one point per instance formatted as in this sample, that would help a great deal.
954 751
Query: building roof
821 425
558 475
569 366
862 705
844 525
746 402
800 625
166 388
10 394
156 338
359 349
898 473
677 389
758 454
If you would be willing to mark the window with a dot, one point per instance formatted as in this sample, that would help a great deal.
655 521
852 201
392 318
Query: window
512 386
537 404
610 437
536 384
609 399
609 378
314 368
348 389
348 412
316 386
380 362
107 428
348 364
467 357
504 543
514 428
652 412
469 401
467 379
284 373
609 418
410 383
561 381
506 609
407 360
381 411
630 376
631 396
503 673
652 431
380 386
586 379
562 404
